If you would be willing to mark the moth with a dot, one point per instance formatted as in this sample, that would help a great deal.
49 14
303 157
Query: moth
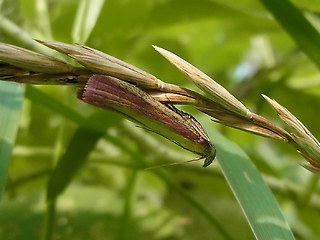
179 127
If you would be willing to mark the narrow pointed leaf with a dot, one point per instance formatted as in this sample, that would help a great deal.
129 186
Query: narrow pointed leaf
306 144
253 195
217 92
99 62
26 59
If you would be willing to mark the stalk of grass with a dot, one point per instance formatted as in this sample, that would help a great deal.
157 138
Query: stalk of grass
49 220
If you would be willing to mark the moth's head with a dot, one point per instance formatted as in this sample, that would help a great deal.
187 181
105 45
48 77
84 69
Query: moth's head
210 155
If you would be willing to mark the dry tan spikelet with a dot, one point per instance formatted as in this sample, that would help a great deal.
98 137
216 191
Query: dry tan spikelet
29 60
103 63
307 145
218 93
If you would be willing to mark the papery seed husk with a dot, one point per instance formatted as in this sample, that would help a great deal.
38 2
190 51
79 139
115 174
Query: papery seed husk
29 60
103 63
217 93
303 139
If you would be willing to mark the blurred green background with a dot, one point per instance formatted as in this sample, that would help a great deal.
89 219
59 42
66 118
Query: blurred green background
237 43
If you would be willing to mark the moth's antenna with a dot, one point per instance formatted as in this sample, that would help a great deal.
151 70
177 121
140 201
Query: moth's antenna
174 163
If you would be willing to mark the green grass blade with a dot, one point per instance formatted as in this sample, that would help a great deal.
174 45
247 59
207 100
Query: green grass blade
80 146
86 18
298 27
11 95
254 196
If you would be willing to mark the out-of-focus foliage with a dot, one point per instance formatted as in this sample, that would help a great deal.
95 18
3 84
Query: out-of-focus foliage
10 106
239 44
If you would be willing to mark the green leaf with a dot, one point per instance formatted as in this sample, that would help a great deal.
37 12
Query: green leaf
299 28
86 18
254 196
80 146
10 106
